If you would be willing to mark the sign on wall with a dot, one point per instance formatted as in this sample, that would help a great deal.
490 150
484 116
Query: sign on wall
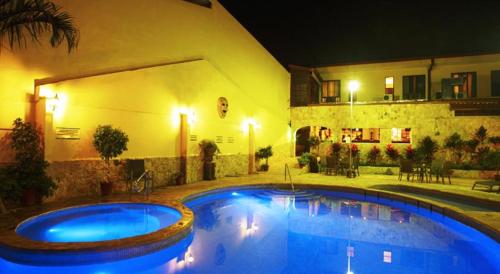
67 133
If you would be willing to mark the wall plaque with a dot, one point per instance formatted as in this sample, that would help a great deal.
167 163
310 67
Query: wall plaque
68 133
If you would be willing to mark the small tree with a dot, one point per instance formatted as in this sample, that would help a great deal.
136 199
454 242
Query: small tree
392 153
373 155
456 145
336 150
110 143
264 153
426 149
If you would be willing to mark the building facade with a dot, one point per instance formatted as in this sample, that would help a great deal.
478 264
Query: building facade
142 66
396 102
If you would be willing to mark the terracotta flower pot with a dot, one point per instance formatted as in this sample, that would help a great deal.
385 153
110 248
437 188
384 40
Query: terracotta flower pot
106 188
29 196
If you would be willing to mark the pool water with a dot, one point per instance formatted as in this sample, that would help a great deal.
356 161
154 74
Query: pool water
98 222
313 231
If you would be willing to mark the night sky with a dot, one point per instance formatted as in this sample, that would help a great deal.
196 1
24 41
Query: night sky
315 33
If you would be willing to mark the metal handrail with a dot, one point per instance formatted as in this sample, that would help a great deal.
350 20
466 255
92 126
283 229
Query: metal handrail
146 175
287 169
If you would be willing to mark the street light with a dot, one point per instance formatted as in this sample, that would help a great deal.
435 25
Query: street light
353 87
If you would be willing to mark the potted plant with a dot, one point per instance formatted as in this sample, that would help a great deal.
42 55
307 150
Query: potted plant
304 159
264 153
314 142
209 149
110 143
29 169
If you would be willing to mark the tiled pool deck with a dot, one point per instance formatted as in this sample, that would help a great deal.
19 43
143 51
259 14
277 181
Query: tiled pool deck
482 209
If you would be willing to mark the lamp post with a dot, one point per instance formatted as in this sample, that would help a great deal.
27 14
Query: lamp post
353 87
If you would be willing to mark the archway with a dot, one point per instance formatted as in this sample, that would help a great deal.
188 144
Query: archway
303 135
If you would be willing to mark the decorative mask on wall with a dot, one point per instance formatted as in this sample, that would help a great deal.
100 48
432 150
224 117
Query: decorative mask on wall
222 107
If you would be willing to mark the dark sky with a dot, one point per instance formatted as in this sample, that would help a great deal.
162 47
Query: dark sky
315 33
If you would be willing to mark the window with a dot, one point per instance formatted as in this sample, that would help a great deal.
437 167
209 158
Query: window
414 87
401 135
389 85
468 87
362 135
330 91
495 83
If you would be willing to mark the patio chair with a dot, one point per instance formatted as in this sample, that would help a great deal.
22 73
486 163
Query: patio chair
330 165
322 164
408 167
441 169
489 184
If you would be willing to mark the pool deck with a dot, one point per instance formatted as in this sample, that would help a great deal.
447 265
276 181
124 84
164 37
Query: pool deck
480 209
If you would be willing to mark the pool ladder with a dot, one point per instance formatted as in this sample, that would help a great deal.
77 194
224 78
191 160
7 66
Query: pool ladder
287 171
147 186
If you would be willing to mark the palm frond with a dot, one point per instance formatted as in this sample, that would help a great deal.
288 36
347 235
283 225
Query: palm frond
22 19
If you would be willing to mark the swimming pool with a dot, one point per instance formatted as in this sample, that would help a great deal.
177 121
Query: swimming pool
100 222
311 231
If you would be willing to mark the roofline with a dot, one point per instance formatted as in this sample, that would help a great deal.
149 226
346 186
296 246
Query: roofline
399 60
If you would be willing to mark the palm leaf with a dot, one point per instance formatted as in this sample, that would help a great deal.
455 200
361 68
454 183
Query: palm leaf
21 20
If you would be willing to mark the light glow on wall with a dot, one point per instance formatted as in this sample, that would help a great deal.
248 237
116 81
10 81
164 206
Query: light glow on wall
55 103
247 122
177 111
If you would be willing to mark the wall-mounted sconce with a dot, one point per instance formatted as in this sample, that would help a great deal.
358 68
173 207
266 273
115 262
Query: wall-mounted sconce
247 122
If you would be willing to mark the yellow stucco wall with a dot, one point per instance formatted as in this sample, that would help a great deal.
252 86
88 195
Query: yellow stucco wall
372 76
123 34
146 104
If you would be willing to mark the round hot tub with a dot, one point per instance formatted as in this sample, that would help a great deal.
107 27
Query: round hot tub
97 233
101 222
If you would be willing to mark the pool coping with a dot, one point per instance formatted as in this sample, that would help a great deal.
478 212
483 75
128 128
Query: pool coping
15 247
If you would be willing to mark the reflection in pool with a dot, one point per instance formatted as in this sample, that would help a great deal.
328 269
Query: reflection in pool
272 231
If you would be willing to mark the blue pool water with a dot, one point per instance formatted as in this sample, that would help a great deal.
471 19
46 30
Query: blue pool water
98 222
273 231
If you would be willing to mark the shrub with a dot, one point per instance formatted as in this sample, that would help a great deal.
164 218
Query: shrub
491 160
410 153
29 168
392 153
304 159
373 155
495 140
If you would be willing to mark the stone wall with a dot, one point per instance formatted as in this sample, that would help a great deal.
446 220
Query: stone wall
433 119
82 177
